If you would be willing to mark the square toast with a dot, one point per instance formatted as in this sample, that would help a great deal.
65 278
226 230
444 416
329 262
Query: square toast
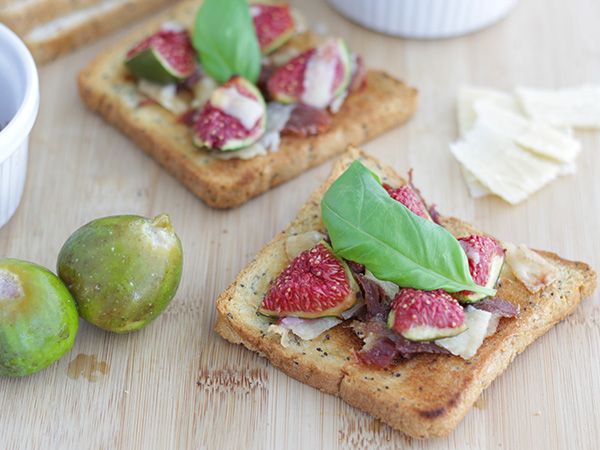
105 87
427 395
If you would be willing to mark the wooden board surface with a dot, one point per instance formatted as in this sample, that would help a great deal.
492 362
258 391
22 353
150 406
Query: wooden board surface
177 385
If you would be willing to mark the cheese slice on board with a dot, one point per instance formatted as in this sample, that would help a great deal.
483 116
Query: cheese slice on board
534 136
573 107
468 96
532 269
501 165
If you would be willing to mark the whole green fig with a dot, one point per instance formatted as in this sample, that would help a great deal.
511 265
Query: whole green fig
38 318
123 271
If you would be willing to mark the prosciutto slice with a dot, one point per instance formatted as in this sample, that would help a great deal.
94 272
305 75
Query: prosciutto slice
376 301
498 306
307 121
383 346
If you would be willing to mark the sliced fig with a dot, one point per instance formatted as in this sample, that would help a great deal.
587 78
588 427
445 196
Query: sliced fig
315 284
359 73
409 198
480 324
315 77
486 258
426 315
234 116
165 57
274 25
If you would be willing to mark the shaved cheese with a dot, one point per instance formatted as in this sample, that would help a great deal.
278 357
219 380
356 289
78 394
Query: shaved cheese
287 337
278 115
468 342
568 169
540 143
319 76
300 25
478 190
502 166
203 89
173 25
305 329
492 325
247 110
165 96
283 55
468 96
574 107
529 267
537 137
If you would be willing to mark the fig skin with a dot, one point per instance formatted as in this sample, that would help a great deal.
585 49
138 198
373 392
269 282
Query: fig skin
38 318
123 271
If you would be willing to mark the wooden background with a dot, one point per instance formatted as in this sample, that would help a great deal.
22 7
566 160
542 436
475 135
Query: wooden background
177 385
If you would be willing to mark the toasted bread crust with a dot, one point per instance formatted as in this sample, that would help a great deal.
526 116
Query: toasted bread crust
383 104
427 395
68 39
27 18
23 16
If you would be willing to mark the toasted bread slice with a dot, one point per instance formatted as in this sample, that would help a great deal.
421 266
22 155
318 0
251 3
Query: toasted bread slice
425 396
51 28
104 86
23 15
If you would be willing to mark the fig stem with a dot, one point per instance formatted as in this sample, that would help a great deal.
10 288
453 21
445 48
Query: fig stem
162 221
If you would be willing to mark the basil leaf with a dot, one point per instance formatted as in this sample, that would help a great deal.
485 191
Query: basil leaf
367 226
226 41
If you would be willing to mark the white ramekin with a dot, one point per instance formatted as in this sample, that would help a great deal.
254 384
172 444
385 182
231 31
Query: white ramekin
19 104
424 19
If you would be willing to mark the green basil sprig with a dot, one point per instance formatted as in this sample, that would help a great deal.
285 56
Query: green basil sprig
226 41
367 226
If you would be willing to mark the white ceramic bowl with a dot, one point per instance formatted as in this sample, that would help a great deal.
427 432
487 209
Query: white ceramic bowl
19 103
424 19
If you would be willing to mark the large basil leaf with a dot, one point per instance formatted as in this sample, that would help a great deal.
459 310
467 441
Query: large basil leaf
226 41
367 226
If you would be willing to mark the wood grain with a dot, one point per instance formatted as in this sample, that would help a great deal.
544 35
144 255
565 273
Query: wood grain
178 385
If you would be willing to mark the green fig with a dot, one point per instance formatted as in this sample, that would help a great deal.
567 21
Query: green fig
38 318
123 271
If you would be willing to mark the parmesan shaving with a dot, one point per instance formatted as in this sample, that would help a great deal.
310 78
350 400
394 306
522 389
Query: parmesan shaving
577 107
502 166
536 137
165 96
530 268
468 96
319 76
245 109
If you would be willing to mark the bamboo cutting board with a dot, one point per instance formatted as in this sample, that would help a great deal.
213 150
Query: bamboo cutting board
177 385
